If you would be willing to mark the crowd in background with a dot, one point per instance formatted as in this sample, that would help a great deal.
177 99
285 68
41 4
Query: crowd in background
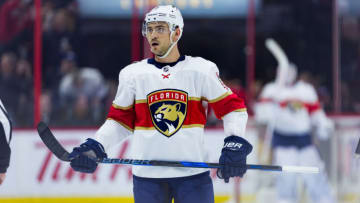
78 95
71 96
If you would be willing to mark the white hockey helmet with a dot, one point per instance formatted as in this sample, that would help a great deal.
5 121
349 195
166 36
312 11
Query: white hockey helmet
165 13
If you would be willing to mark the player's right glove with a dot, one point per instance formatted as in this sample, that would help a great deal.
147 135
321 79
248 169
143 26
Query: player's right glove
83 157
233 157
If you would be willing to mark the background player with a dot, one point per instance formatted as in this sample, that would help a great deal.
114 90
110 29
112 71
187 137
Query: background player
159 103
5 137
292 110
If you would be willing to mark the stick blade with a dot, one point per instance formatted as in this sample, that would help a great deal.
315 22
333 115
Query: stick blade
357 151
51 143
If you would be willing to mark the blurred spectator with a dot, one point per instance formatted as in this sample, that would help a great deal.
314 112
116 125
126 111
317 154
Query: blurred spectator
8 85
82 86
46 107
24 80
112 84
81 115
15 17
59 38
235 85
48 10
15 88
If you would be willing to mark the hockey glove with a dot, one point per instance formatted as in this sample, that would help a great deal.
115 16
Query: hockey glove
83 157
233 157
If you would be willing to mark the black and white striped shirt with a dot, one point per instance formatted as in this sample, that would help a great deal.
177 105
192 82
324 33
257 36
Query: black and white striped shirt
5 138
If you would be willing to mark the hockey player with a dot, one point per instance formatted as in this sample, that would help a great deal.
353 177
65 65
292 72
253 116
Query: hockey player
5 137
159 103
291 109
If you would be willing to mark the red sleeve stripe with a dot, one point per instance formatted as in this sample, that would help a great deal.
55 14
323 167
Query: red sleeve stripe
227 104
313 107
125 117
195 113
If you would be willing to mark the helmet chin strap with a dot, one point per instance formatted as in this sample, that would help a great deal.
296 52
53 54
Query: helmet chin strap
171 46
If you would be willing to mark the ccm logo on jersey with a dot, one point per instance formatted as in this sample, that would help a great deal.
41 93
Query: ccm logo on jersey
232 146
168 109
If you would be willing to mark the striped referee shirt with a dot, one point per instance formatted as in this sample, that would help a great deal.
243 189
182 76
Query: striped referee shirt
5 137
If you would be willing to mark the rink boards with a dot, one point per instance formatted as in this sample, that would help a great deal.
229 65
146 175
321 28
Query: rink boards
35 175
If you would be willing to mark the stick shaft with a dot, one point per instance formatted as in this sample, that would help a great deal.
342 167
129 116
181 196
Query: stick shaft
183 164
281 58
58 150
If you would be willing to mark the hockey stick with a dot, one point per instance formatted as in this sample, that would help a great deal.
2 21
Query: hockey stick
281 58
283 64
55 147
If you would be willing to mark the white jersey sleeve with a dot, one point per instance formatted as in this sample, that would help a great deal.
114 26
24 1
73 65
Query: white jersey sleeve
264 108
227 106
120 120
323 125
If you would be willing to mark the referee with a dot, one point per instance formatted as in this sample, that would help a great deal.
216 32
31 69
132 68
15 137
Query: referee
5 137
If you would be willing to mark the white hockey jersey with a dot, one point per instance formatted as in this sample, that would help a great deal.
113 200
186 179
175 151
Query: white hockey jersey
293 110
162 109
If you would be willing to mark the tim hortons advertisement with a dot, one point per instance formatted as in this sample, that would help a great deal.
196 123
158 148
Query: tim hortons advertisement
35 172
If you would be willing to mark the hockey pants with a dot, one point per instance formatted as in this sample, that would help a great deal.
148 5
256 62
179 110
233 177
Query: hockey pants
317 185
191 189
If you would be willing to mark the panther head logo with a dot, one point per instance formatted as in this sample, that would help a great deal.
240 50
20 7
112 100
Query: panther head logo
170 115
168 110
295 106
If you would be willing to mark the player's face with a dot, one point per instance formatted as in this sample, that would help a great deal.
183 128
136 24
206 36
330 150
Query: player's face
158 36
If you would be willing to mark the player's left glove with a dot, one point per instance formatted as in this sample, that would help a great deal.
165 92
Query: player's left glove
83 157
233 157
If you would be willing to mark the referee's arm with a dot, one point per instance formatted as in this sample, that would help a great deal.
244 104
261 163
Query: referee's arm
5 137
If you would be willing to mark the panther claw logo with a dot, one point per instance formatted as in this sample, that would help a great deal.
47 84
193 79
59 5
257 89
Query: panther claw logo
168 110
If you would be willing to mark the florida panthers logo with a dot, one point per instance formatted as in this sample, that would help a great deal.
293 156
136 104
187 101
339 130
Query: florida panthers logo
295 106
168 110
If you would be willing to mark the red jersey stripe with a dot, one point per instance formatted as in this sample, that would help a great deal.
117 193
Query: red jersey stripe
227 104
310 107
195 114
313 107
123 115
